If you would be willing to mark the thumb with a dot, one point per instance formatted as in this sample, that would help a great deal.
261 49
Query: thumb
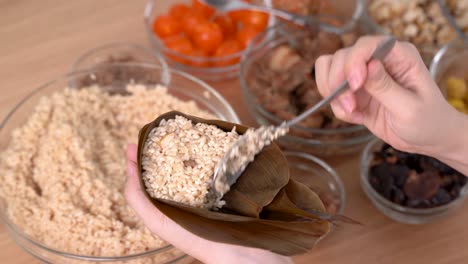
381 86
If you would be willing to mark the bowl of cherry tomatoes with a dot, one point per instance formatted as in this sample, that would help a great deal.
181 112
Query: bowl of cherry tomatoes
197 39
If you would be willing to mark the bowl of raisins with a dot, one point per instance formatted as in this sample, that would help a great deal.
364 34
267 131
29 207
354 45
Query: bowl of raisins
410 188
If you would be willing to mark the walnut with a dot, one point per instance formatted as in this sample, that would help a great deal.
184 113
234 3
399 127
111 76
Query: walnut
283 58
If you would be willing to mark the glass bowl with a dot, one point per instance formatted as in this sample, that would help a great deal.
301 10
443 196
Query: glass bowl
395 211
316 141
451 59
117 53
320 177
181 85
155 8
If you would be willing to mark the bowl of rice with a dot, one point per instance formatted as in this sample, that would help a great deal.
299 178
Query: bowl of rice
63 167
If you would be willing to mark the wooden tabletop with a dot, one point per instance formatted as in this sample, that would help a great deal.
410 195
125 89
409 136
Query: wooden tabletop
40 39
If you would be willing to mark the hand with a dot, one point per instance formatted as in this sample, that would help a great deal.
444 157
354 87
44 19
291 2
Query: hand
396 99
199 248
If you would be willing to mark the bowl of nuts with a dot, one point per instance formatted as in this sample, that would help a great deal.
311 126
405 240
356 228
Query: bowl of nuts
449 70
419 22
278 83
410 188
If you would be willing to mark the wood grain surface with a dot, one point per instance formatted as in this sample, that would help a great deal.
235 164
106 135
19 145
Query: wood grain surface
39 40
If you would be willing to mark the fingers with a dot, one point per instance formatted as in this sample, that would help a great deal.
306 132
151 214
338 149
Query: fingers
322 71
355 67
199 248
161 225
326 67
132 152
135 196
381 86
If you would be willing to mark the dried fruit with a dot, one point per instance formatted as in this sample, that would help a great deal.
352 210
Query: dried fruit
422 186
414 180
457 93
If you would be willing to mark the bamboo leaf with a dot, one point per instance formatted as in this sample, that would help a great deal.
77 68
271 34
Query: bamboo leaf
264 208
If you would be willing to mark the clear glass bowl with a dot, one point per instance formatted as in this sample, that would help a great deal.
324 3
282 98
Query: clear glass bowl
320 177
395 211
155 8
320 142
181 85
118 53
450 60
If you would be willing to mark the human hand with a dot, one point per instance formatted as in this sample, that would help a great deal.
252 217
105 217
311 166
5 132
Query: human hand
199 248
396 99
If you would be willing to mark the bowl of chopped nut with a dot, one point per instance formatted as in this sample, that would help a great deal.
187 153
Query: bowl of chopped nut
278 83
449 70
418 22
410 188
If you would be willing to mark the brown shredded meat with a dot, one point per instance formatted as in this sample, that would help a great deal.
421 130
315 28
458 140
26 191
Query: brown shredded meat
283 80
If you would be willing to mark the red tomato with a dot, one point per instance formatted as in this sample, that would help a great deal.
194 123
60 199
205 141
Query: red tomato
227 48
178 11
179 44
227 25
203 8
190 21
207 37
246 35
255 19
202 55
165 26
238 15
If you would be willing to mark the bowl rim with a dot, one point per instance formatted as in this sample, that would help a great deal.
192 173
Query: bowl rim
17 231
331 174
248 95
440 56
135 46
377 197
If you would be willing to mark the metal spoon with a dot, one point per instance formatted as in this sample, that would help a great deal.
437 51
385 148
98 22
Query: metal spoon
448 16
305 21
248 145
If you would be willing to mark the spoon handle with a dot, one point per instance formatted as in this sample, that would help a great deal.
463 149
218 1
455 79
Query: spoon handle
379 54
448 16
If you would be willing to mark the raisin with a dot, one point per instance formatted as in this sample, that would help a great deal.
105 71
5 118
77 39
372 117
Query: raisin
422 186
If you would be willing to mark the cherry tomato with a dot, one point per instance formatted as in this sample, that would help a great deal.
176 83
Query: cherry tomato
165 26
179 44
227 48
246 35
203 8
202 56
227 25
256 19
190 21
178 11
207 37
238 15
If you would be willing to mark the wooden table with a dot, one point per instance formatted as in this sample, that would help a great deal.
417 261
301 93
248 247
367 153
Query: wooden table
40 39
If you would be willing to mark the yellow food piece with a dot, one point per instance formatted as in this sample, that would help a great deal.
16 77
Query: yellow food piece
458 104
456 88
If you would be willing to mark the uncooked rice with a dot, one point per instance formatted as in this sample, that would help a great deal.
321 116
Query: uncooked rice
179 159
64 171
